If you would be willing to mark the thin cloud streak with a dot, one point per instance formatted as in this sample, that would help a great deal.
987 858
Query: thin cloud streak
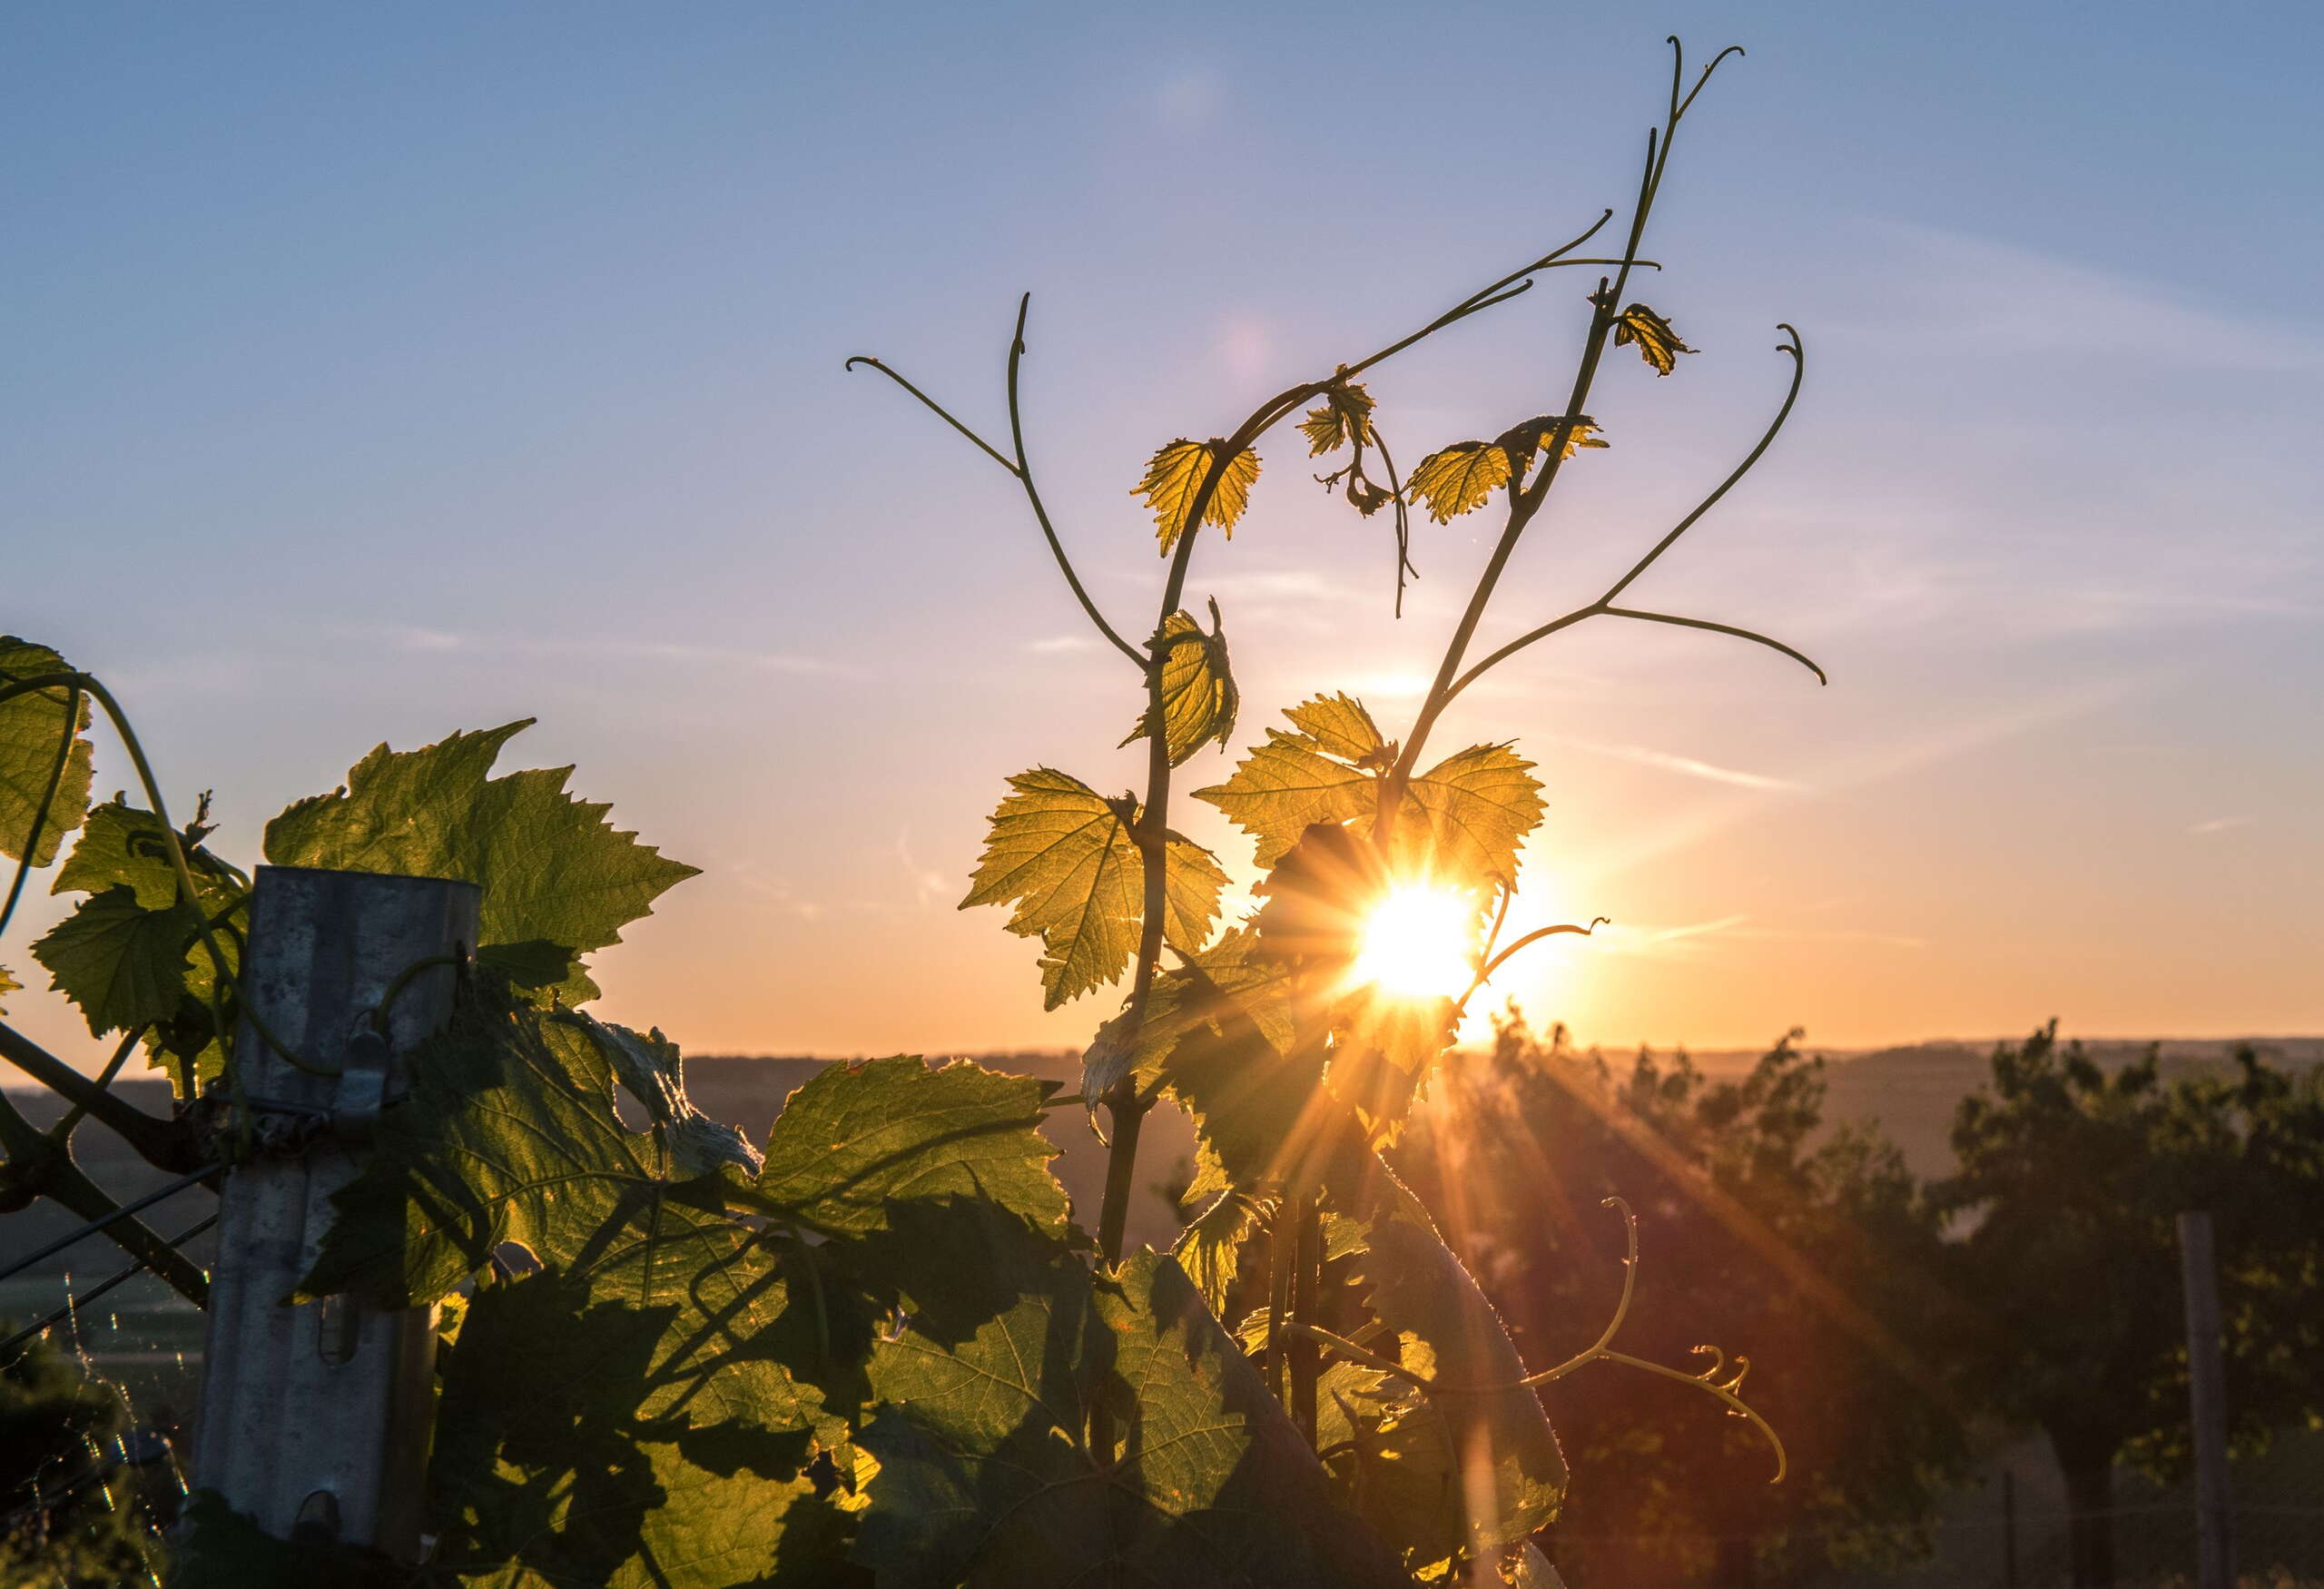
1646 757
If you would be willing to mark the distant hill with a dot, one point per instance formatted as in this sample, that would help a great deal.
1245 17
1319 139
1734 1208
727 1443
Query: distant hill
1911 1092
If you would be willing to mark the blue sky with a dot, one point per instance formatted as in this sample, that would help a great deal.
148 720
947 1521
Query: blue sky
375 372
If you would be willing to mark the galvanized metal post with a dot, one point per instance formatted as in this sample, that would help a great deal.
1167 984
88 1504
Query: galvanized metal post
315 1418
2207 1393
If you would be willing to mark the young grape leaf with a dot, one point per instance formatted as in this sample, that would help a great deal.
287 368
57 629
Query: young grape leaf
1174 481
1211 1247
1344 418
1521 442
1464 819
122 964
1227 979
859 1137
33 727
1065 855
1323 772
1657 343
1199 700
1339 726
653 1072
1457 478
553 869
986 1478
8 985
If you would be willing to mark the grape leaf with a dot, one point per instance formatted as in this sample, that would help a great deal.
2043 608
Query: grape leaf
857 1138
552 868
1657 343
1464 819
122 964
1210 1249
1227 977
1521 442
1199 699
1064 854
124 845
1457 478
1323 772
986 1476
1422 1291
652 1070
1174 480
1344 417
634 1425
8 985
33 729
1338 725
508 1135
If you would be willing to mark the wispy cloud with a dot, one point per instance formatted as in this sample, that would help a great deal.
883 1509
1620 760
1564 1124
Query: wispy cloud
2218 824
1973 294
1686 765
1061 645
445 642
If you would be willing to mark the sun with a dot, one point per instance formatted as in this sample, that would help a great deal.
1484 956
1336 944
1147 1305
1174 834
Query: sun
1417 944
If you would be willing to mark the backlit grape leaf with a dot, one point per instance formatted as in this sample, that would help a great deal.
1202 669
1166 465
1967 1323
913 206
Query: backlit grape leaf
653 1072
1458 479
1295 780
1343 416
1226 980
986 1478
1657 343
1199 700
122 964
1339 724
8 985
858 1137
1514 1476
1064 854
552 868
1211 1247
1174 480
1534 436
1464 819
33 727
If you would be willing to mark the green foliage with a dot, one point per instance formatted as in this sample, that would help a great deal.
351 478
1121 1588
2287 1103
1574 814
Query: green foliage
1069 858
131 955
986 1473
1174 481
553 869
33 727
1199 700
859 1138
2071 1177
122 964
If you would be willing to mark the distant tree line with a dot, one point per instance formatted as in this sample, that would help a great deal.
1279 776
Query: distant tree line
1892 1323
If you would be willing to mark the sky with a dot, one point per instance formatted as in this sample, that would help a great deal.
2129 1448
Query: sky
374 372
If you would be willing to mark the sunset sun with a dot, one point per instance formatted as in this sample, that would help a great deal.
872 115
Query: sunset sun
1417 944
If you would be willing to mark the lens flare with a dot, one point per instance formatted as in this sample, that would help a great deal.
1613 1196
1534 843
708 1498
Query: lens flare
1417 944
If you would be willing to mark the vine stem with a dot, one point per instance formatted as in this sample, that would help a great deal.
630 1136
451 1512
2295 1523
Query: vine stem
1526 500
